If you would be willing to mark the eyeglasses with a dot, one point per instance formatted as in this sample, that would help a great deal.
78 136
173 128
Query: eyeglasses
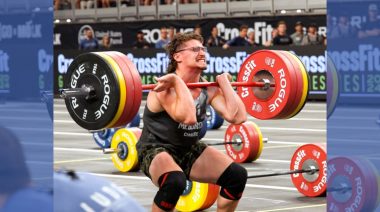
194 49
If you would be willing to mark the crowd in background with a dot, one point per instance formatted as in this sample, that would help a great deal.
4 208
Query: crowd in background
342 28
88 4
302 36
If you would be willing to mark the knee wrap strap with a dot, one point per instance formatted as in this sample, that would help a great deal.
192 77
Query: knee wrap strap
233 182
171 185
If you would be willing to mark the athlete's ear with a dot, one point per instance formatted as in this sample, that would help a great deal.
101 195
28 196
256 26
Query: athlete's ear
178 57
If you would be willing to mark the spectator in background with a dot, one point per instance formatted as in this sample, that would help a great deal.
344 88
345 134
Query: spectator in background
298 35
198 29
312 37
140 42
164 39
106 3
171 33
251 39
106 42
269 42
282 38
88 42
240 40
214 39
86 4
343 29
371 28
62 4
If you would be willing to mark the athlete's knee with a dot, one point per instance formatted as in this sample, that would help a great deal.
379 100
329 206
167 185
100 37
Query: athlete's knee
171 186
233 182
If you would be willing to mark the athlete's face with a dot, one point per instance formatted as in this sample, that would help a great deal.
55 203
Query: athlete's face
192 54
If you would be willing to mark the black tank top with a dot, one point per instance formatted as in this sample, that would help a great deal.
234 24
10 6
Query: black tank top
160 128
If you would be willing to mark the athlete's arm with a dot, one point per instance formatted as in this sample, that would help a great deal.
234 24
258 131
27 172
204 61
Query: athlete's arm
226 102
172 95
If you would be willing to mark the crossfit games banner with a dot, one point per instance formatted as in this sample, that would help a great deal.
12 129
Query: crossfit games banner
66 36
153 62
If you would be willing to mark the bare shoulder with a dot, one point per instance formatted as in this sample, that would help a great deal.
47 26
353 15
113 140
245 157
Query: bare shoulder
158 101
153 103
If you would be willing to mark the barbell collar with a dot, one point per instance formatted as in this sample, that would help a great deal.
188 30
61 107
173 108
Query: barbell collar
267 84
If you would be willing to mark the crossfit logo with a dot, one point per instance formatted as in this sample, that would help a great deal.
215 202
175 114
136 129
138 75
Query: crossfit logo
4 58
106 98
45 61
63 63
281 94
301 154
249 67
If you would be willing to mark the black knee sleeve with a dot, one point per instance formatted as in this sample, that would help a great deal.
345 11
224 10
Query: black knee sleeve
171 186
233 182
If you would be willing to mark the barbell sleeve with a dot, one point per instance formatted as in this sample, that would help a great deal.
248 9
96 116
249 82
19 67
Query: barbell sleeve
342 189
265 140
110 151
297 171
265 84
87 91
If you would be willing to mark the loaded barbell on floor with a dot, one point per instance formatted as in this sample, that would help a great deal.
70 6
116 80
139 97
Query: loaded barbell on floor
103 137
243 143
104 90
307 170
353 183
308 167
249 134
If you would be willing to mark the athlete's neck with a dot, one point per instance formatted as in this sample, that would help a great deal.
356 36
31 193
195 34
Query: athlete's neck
189 76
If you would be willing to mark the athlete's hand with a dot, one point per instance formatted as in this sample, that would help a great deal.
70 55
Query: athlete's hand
165 82
223 78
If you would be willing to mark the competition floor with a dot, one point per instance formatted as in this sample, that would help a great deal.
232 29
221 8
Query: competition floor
74 148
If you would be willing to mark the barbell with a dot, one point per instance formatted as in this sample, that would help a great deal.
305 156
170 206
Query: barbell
104 89
103 137
307 165
354 183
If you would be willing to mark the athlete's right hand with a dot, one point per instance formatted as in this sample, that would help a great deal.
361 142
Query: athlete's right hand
165 82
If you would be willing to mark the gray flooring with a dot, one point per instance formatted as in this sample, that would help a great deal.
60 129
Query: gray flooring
74 148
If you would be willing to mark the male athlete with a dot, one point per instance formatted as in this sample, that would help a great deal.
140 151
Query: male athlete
169 149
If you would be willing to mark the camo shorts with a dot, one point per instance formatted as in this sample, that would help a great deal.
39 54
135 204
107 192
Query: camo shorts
184 158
